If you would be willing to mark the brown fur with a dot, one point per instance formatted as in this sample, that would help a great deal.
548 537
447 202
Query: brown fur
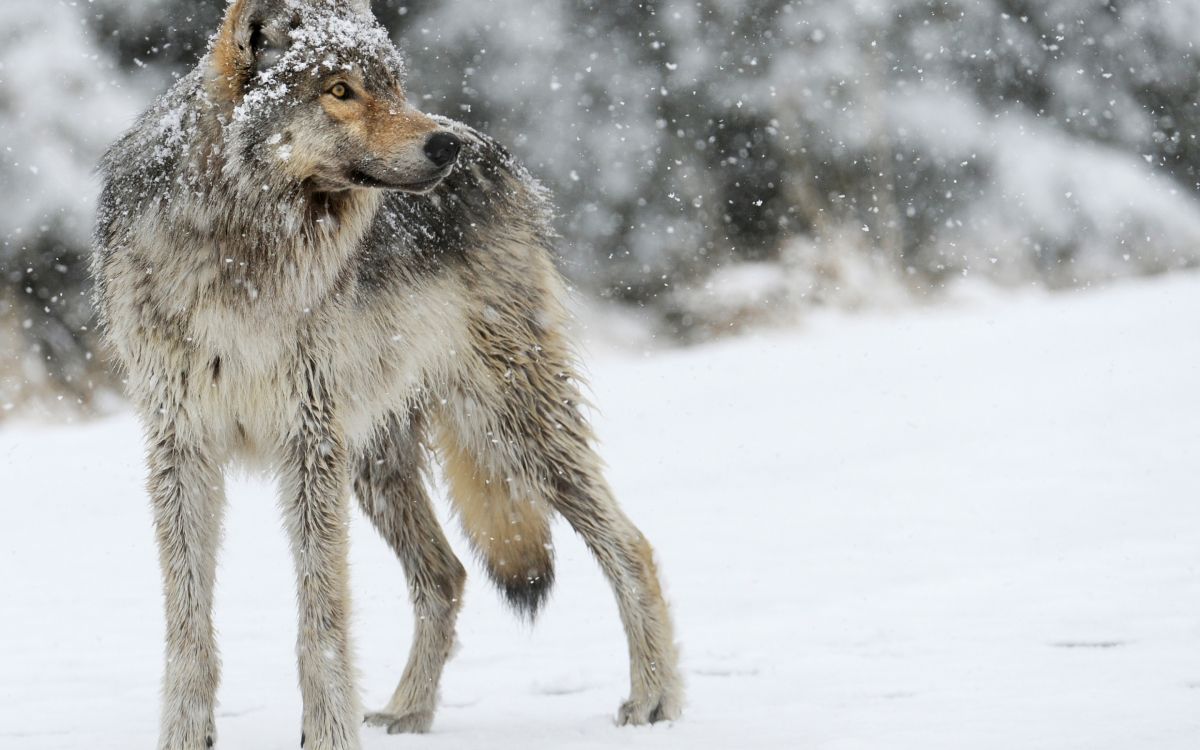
230 59
510 534
377 121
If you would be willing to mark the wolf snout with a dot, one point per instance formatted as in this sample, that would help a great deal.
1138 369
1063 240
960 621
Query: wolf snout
442 148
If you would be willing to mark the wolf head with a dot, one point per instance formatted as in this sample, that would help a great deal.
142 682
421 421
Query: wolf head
314 88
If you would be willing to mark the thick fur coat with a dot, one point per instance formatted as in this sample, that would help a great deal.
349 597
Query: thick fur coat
291 274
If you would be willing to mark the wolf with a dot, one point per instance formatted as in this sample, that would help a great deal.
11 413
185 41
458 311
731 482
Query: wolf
297 270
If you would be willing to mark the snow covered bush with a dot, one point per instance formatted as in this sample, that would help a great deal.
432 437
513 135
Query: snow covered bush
60 105
1016 140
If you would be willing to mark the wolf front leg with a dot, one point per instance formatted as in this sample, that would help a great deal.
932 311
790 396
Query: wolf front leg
315 500
187 493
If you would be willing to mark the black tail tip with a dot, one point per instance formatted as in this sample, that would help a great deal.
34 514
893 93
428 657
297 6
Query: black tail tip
527 595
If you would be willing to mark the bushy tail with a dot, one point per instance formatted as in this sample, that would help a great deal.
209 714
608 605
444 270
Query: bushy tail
510 534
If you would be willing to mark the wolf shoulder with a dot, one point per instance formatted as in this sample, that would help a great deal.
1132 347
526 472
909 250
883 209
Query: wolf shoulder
489 200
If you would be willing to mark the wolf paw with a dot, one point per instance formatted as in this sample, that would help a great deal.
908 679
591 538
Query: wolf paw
404 722
661 706
180 735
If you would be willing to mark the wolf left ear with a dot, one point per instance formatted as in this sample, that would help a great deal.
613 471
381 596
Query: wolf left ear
248 42
263 51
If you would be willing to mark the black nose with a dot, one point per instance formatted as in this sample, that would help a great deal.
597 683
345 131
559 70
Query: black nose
442 148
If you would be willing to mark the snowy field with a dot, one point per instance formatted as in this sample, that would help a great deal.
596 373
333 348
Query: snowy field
975 525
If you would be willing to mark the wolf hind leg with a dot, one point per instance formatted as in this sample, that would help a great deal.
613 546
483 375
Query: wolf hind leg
524 433
582 496
624 554
390 491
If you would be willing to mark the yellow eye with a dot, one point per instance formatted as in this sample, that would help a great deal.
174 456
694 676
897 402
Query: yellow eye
340 91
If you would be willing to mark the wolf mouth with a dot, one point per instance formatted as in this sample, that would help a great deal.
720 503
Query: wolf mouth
362 179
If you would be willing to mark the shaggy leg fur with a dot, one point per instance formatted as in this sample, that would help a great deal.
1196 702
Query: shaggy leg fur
391 493
187 492
552 462
656 692
315 500
514 417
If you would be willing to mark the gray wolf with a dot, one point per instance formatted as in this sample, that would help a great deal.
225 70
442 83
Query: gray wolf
298 270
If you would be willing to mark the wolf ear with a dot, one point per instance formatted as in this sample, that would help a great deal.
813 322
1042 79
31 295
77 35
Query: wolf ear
251 39
264 51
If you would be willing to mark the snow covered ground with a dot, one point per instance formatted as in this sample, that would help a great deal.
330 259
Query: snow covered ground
974 525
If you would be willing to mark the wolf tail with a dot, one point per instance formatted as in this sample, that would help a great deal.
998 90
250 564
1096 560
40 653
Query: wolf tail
509 533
